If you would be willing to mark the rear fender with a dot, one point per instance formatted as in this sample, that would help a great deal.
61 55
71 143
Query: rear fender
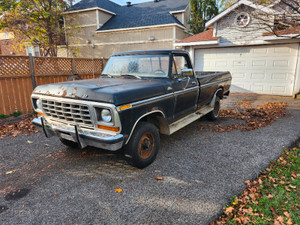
219 92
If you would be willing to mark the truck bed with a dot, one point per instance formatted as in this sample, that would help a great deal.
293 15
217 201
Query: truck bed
206 78
210 82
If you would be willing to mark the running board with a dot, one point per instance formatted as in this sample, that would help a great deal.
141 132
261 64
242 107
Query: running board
189 119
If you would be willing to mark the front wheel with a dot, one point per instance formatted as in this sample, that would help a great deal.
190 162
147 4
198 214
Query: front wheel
213 115
143 146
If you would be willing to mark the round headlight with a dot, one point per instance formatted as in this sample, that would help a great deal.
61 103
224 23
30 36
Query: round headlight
106 115
39 103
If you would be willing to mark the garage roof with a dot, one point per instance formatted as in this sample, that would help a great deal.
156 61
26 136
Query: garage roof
203 36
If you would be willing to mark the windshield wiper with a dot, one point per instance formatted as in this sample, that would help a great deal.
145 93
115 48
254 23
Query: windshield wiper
136 76
105 74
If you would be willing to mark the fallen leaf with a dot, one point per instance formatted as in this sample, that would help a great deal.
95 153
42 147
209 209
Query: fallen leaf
291 186
157 171
10 172
119 190
280 219
158 178
248 211
29 142
287 214
248 182
273 210
286 188
270 196
229 210
289 222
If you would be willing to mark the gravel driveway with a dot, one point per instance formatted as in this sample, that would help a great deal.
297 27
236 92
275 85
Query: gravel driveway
49 183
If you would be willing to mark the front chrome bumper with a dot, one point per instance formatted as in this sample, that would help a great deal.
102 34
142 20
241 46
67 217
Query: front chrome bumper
83 137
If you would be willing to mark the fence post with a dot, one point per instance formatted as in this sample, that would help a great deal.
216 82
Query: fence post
93 68
31 60
103 64
74 66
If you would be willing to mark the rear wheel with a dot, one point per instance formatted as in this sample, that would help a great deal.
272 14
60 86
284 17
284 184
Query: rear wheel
143 146
213 115
69 143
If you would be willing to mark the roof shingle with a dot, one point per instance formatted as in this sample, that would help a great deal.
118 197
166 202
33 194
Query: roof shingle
203 36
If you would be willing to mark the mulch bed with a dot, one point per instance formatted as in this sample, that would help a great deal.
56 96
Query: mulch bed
13 129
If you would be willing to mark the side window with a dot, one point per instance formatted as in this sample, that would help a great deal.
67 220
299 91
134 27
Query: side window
180 63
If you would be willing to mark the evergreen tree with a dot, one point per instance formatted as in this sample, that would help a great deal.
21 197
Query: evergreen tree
201 12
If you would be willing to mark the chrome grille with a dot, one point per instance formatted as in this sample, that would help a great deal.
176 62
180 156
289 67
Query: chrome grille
70 113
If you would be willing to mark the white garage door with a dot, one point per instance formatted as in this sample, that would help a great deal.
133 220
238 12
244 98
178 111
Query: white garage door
257 69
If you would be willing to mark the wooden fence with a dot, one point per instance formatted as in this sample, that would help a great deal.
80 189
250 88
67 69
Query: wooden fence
19 75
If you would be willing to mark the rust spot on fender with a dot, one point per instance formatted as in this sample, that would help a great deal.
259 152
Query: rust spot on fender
64 93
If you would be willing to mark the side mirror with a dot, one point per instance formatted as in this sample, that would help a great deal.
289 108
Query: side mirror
187 72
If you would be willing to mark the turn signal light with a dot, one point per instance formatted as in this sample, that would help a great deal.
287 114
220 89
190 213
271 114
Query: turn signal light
41 114
125 107
115 129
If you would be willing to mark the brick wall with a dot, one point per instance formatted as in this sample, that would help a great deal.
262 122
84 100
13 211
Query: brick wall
7 49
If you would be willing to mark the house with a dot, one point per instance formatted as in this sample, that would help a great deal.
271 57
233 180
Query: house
11 44
98 28
259 61
6 43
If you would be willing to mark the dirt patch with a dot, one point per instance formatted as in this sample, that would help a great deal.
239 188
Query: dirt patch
3 208
254 117
20 193
16 128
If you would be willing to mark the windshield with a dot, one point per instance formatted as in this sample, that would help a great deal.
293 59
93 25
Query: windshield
138 65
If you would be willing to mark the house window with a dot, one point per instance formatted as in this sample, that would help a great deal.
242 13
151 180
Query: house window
36 51
29 50
6 36
33 50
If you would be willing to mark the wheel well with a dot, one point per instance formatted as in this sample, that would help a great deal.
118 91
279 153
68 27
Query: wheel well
220 92
158 120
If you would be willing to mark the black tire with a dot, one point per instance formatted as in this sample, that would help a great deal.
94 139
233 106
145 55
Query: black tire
68 143
213 115
143 146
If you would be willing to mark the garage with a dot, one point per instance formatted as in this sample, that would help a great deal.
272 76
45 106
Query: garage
265 69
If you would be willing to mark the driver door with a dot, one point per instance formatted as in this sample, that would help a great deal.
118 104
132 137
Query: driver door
185 86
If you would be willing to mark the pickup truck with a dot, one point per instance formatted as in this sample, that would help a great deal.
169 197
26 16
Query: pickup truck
140 95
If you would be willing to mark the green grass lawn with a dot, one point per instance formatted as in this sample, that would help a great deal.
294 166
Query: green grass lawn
273 198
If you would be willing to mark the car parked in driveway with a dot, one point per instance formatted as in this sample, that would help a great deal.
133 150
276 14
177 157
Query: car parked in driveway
139 96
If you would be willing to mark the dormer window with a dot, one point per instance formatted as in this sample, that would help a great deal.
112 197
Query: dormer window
242 19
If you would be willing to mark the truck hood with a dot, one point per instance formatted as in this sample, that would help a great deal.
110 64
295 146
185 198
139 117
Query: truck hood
117 91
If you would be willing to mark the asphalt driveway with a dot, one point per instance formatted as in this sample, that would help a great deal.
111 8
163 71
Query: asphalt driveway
44 182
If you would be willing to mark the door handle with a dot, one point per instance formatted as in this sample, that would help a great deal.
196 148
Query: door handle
193 82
